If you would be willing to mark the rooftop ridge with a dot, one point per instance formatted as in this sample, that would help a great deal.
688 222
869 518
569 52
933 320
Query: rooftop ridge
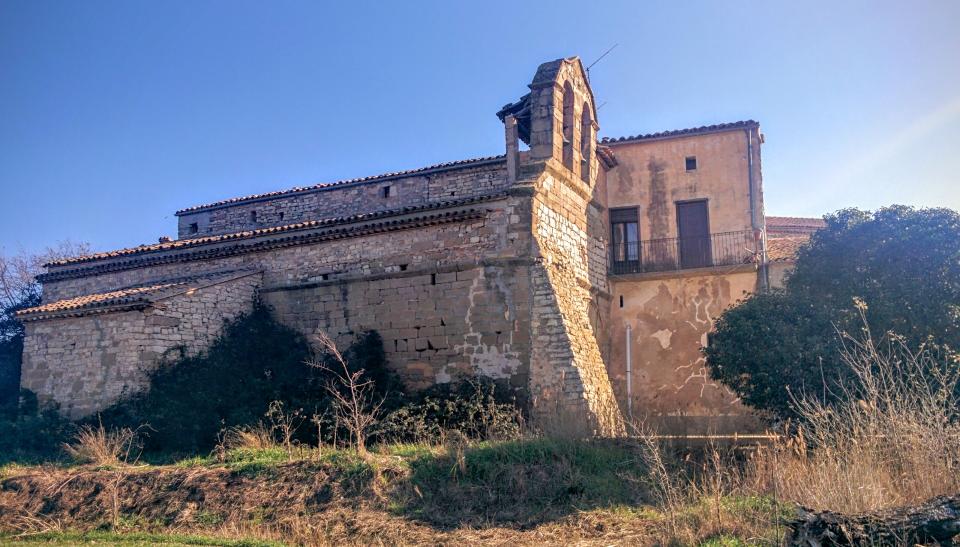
682 132
450 165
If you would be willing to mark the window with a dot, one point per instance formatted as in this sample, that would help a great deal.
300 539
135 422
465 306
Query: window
253 217
385 191
691 163
586 142
281 215
567 127
626 234
193 228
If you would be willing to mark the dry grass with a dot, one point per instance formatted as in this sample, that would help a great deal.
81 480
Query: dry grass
99 446
894 441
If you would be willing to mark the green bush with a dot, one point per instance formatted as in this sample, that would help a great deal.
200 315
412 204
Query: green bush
904 263
255 362
480 409
31 434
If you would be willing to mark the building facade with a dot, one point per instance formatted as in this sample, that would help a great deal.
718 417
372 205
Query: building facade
586 273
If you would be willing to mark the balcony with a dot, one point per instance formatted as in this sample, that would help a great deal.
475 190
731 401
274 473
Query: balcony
663 255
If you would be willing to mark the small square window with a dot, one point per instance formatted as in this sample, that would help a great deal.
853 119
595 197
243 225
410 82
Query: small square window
385 191
691 163
193 228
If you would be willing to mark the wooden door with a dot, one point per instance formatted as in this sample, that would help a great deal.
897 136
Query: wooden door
693 225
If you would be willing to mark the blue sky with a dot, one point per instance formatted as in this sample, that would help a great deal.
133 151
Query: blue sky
115 114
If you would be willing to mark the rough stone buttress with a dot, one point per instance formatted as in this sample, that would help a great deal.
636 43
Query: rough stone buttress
528 267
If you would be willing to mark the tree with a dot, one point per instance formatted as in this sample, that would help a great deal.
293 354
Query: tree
904 263
18 290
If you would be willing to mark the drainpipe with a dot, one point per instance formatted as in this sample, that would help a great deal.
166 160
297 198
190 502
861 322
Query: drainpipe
755 222
629 377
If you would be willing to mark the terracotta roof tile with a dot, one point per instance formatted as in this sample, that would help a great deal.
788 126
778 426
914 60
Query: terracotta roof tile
373 178
681 132
134 295
793 225
784 249
129 297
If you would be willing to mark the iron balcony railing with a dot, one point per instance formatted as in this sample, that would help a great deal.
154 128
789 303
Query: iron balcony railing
661 255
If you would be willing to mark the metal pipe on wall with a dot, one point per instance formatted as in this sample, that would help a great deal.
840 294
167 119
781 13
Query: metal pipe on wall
629 376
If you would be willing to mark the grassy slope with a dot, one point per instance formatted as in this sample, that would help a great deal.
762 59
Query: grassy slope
536 491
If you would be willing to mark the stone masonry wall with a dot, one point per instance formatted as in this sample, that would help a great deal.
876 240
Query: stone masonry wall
346 199
388 252
86 363
567 368
449 300
436 327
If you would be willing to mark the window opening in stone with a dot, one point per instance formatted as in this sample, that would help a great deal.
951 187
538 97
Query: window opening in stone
253 217
691 163
385 192
194 228
586 131
567 128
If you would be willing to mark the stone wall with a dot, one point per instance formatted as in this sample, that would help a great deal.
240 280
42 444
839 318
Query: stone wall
388 247
437 326
346 199
86 363
450 299
569 288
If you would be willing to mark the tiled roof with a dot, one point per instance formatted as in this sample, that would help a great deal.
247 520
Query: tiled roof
460 164
681 132
199 241
793 225
127 298
784 249
122 297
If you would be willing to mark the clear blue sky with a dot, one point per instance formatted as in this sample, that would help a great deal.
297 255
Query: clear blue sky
115 114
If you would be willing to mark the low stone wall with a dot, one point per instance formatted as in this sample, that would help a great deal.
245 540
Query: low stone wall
84 364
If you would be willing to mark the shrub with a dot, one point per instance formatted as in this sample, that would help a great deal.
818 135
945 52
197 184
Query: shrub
892 439
29 433
479 409
904 262
100 446
255 362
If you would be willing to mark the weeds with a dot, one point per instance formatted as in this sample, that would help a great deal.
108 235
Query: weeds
103 447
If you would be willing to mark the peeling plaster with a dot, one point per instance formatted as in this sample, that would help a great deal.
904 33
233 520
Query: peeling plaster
663 336
486 359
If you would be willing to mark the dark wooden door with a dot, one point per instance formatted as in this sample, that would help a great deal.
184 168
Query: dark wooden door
694 230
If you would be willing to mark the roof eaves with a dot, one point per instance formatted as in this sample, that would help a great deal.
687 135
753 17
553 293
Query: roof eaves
678 133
